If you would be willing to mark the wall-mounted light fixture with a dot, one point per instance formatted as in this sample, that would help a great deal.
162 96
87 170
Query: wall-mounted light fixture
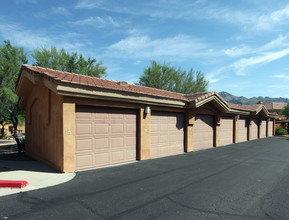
238 117
147 110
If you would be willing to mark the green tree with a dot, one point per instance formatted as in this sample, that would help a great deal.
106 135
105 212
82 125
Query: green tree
69 62
173 79
285 111
11 59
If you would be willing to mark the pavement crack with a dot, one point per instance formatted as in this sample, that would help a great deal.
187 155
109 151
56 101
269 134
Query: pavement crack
25 198
84 205
218 213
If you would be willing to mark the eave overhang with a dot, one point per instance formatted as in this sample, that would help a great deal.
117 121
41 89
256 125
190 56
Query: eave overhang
214 99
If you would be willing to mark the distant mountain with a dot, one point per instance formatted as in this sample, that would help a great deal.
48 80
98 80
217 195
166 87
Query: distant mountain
241 100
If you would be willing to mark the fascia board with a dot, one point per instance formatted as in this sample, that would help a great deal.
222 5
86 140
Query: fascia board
213 98
239 112
116 96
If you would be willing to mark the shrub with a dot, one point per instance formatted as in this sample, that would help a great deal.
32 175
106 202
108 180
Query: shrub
280 131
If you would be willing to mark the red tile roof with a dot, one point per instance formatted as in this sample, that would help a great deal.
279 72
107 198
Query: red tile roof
235 106
252 108
60 77
275 105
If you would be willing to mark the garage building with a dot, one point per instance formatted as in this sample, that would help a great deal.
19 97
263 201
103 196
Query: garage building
76 122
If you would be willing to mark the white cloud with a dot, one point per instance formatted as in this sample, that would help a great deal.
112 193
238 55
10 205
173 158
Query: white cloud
250 20
244 63
216 75
97 21
275 18
31 39
280 42
179 47
60 11
88 4
282 76
253 19
153 9
238 51
137 62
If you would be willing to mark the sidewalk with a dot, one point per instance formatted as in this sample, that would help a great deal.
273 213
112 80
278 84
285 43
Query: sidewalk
14 166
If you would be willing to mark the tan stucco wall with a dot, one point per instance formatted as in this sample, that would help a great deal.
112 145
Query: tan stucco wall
44 130
189 134
236 123
68 137
50 126
218 130
144 135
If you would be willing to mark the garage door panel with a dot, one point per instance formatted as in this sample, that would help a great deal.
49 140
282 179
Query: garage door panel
84 144
130 117
85 160
254 129
130 154
100 143
154 139
242 129
130 128
118 156
116 117
100 128
226 130
130 141
112 139
117 128
270 128
117 142
101 116
203 132
263 128
101 159
154 127
84 115
83 128
166 137
165 126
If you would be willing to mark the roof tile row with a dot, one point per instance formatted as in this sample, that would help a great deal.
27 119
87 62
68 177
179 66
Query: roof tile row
60 77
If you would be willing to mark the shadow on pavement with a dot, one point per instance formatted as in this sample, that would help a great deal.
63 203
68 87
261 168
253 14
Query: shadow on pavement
11 160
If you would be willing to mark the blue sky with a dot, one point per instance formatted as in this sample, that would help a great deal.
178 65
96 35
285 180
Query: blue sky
241 46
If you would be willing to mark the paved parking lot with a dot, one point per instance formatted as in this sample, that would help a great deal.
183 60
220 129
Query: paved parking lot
243 181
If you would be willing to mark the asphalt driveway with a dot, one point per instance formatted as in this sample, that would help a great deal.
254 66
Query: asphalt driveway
247 180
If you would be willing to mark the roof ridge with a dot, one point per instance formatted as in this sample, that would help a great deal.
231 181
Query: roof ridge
155 88
94 77
102 83
102 79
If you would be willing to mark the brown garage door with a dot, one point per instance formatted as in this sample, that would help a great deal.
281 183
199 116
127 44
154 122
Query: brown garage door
270 129
242 129
167 133
263 129
226 130
254 129
104 136
203 132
